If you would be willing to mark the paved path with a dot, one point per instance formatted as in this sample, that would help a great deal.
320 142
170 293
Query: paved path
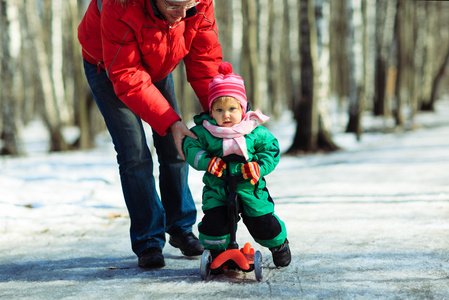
370 223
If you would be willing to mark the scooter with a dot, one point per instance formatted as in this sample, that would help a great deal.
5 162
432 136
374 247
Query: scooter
246 259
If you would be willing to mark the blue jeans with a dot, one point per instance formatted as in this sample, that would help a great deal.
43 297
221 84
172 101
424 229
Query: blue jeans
174 212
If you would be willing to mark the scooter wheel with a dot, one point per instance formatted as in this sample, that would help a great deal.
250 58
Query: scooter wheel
258 266
206 261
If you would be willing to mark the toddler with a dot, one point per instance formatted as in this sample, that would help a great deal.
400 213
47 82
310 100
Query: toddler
230 128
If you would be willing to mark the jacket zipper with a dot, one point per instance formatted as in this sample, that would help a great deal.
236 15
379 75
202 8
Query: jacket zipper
99 67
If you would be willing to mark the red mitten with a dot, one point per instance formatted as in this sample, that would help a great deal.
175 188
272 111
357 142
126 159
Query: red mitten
216 166
251 170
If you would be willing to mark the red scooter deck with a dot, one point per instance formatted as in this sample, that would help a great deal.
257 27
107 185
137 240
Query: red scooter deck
243 257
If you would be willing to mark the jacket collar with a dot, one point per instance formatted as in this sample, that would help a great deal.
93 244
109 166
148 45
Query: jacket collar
156 11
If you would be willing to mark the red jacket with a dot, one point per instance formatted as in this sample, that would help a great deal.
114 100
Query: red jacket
136 48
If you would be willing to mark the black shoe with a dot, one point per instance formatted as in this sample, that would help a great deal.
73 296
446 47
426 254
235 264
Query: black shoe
281 255
151 258
187 243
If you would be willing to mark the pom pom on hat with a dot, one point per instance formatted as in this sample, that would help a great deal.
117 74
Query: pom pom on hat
227 84
225 68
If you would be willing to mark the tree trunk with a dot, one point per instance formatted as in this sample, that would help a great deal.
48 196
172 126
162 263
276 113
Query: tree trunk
431 56
273 65
27 95
306 138
287 62
418 57
437 80
51 116
437 48
8 131
83 104
385 32
250 52
355 65
224 17
322 16
310 135
188 103
369 52
337 51
57 63
406 44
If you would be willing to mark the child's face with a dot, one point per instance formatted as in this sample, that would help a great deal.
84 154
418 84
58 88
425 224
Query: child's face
227 111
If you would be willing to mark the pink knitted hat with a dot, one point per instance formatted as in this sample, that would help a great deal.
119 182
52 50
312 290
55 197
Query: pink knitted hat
227 84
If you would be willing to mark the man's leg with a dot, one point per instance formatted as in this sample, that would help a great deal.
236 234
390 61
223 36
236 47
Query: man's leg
173 181
146 212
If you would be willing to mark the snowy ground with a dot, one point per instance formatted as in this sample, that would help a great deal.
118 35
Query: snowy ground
368 222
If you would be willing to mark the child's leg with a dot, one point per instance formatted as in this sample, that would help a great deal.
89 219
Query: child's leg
268 230
259 217
214 228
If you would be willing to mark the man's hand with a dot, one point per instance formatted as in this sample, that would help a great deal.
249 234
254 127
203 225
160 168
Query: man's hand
180 131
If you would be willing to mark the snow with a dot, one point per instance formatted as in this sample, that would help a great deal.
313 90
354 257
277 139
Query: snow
367 222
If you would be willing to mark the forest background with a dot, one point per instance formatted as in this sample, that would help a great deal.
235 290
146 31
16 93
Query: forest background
327 62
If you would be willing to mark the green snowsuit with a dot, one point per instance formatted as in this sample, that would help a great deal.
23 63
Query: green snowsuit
258 207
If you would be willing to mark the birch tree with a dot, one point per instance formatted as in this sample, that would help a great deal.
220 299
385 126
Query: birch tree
354 44
338 58
436 54
273 66
406 29
224 16
50 112
8 130
322 16
77 92
385 32
369 52
418 58
310 135
250 60
57 63
26 92
289 66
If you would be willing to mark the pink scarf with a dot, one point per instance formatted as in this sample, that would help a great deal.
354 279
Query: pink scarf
234 141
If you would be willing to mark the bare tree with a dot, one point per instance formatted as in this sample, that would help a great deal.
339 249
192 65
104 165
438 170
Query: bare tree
436 54
418 58
369 52
288 64
188 103
385 32
85 112
57 62
224 16
354 46
250 58
50 112
310 135
26 94
8 138
423 54
272 64
379 55
338 58
322 16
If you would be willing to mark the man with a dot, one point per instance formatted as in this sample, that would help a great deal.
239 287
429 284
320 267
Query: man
130 48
